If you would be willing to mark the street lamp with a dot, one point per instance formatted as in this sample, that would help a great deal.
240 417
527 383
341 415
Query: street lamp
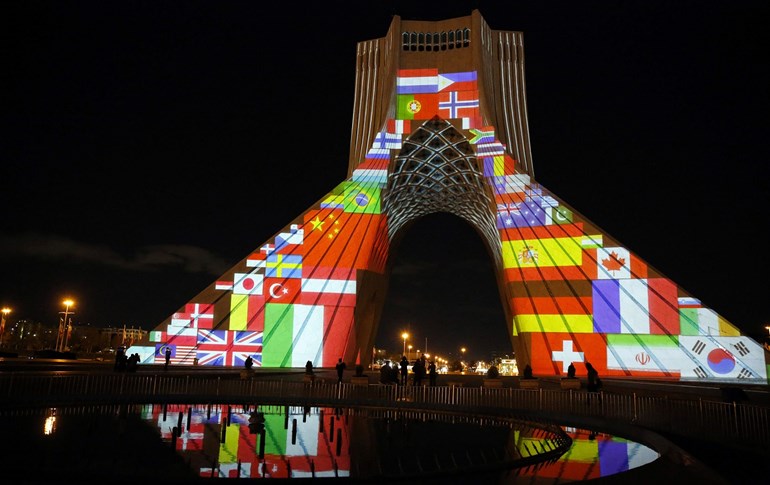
404 336
409 355
61 342
5 311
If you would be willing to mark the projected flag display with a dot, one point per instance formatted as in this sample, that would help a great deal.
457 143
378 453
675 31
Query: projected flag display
573 294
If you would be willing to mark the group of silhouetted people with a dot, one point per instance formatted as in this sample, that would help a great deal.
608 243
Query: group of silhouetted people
593 382
125 363
398 373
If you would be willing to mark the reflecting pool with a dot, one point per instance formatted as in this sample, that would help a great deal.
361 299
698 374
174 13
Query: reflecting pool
202 441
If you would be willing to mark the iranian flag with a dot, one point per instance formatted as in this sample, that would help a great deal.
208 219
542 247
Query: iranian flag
650 355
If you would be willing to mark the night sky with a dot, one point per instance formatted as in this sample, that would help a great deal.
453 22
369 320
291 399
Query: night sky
149 146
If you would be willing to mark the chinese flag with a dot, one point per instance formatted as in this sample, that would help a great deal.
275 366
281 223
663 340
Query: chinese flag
338 239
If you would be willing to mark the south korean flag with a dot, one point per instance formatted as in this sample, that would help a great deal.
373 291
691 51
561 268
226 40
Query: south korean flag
722 358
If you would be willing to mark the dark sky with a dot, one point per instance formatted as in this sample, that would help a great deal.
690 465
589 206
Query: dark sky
149 146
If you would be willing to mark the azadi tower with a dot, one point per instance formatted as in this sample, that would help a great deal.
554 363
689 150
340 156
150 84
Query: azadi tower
440 125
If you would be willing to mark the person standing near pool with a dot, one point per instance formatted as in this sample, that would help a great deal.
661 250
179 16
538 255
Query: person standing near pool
432 373
340 369
404 370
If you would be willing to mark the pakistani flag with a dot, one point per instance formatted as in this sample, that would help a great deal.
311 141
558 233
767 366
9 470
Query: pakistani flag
561 215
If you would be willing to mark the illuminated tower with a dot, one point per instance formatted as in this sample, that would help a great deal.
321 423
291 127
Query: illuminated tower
440 125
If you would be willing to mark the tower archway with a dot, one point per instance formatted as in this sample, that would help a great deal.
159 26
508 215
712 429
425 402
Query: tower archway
443 292
437 170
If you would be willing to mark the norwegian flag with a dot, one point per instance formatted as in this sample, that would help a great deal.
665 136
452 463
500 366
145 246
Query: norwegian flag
229 347
458 104
195 315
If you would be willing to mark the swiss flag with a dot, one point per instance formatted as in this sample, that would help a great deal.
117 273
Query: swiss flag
553 352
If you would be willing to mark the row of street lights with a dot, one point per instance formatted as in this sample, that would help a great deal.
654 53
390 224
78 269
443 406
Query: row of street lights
65 325
405 336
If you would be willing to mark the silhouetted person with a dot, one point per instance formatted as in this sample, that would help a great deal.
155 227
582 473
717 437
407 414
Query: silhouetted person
528 372
119 354
385 374
394 373
248 363
123 363
571 370
309 375
594 384
340 369
404 370
168 357
419 372
432 373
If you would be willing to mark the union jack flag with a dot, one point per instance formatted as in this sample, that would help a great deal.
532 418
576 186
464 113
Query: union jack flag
229 347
